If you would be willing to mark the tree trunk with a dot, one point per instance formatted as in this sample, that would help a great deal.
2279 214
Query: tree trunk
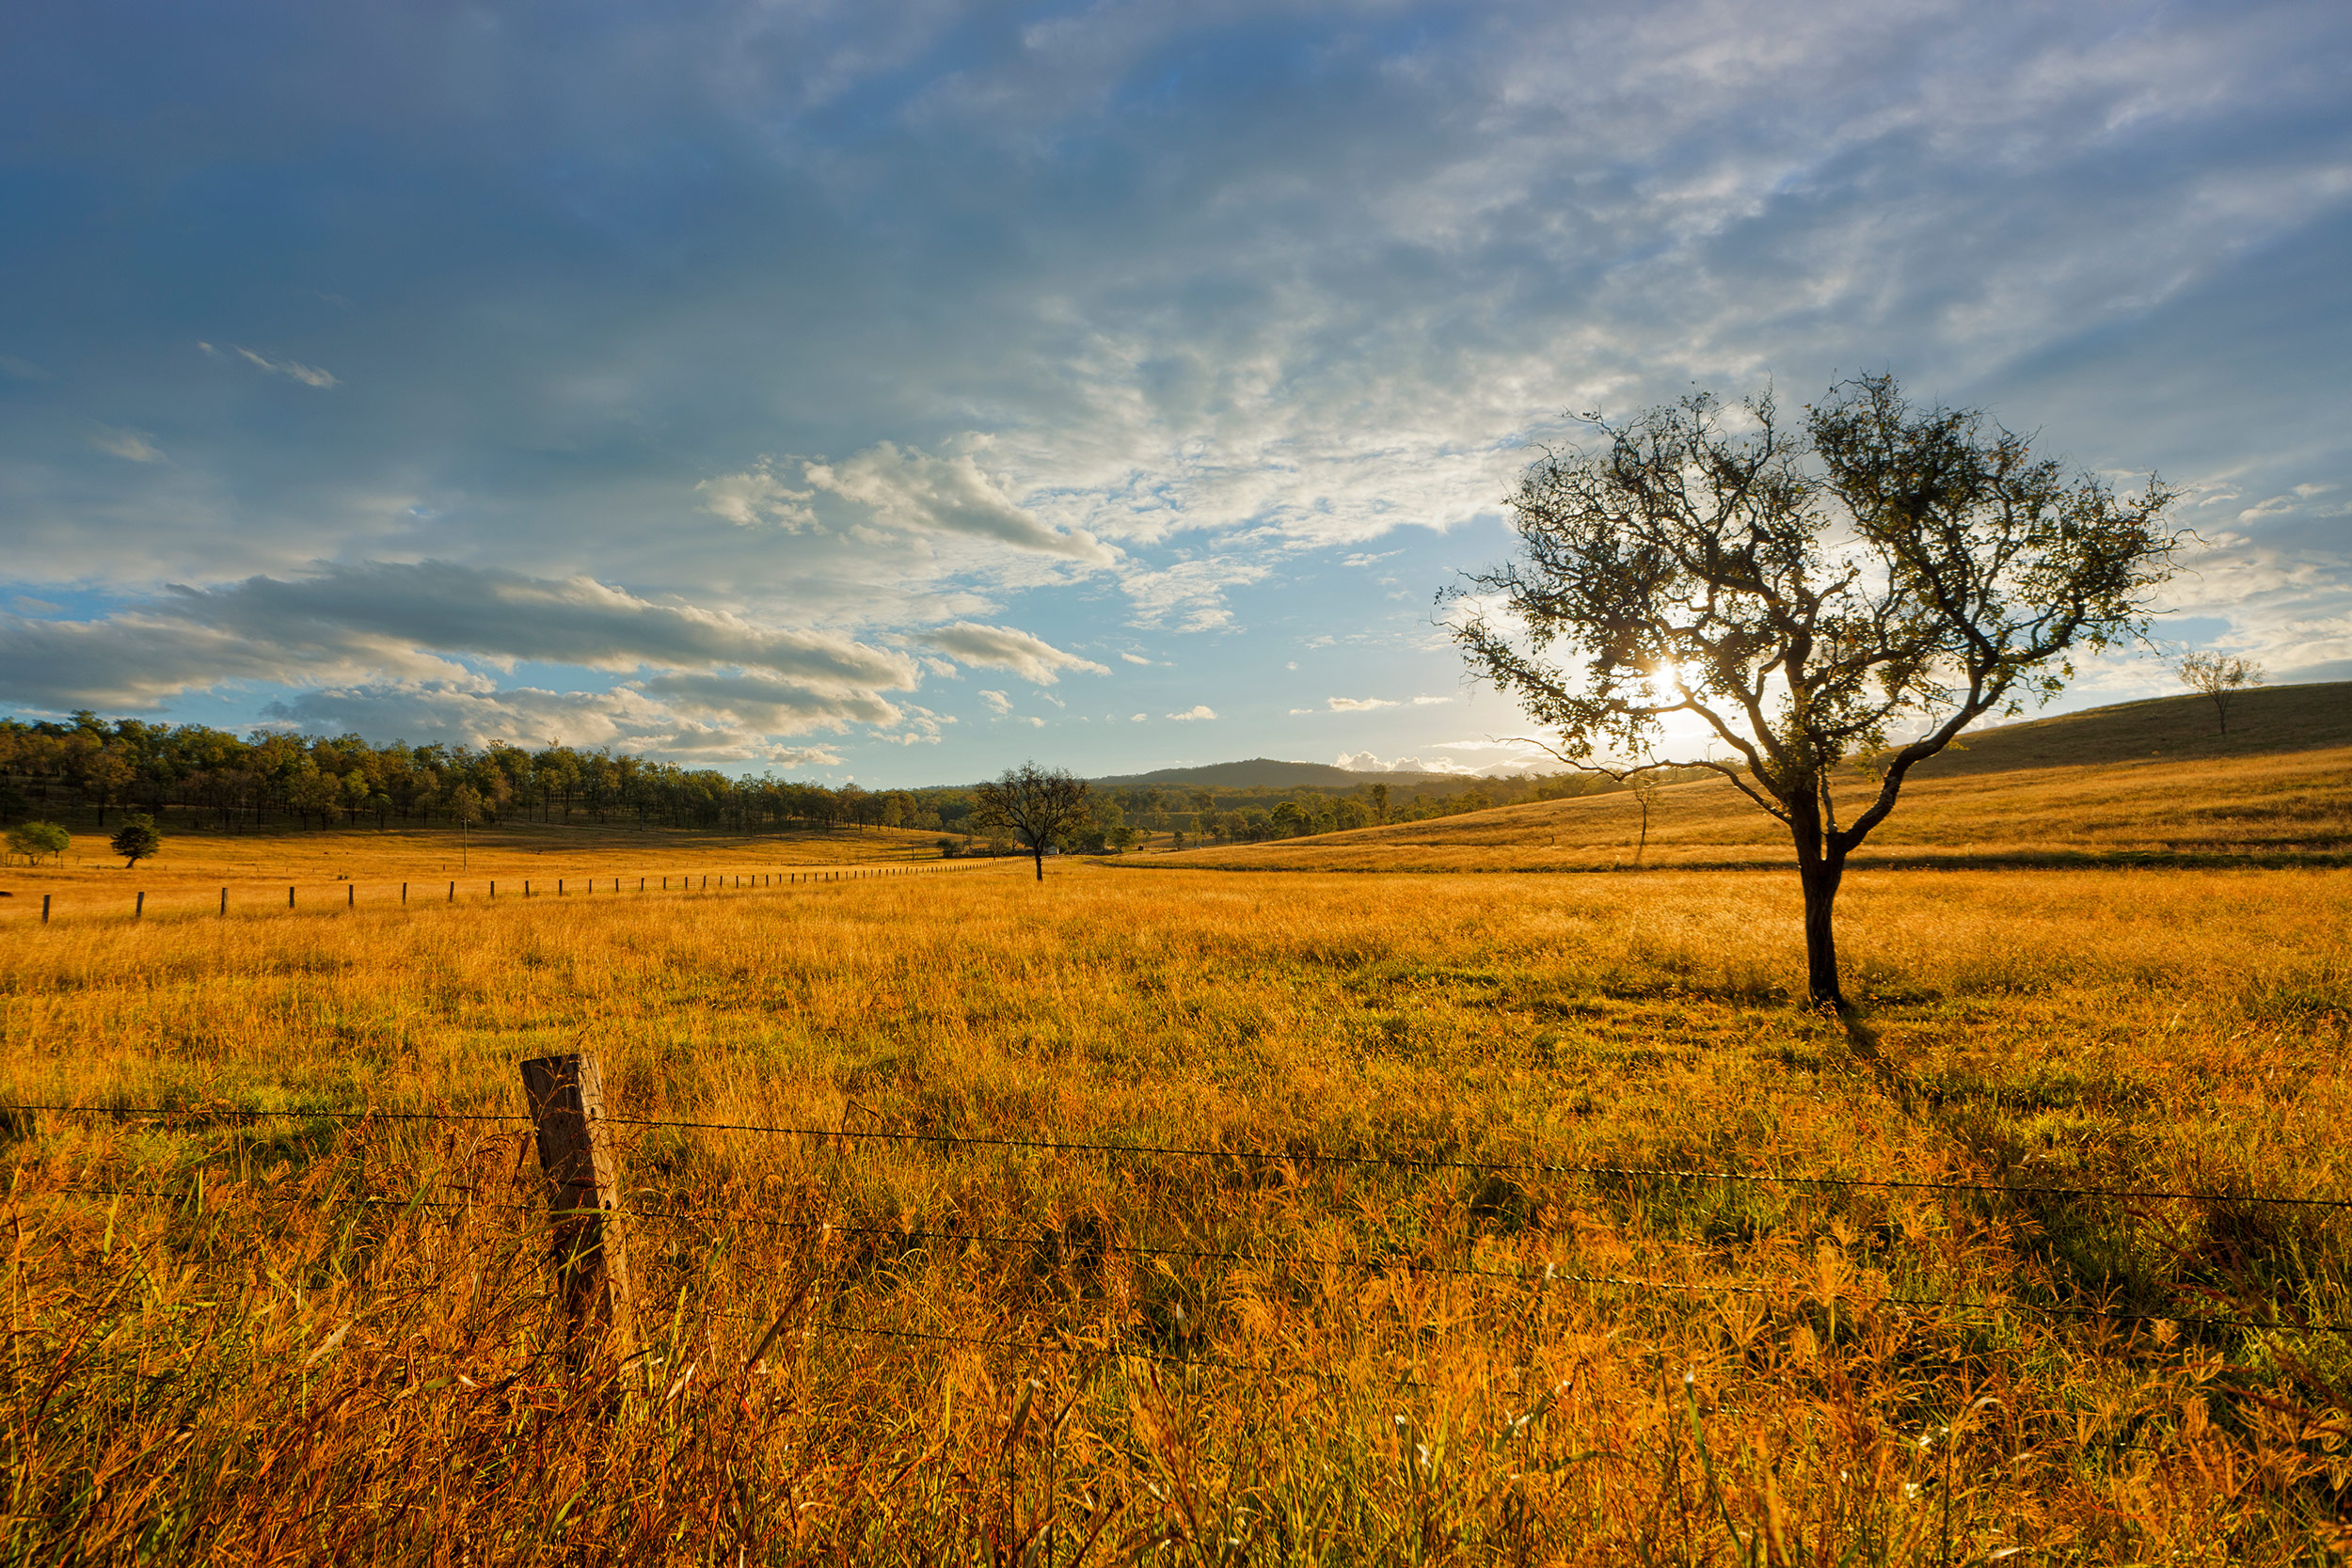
1040 854
1820 877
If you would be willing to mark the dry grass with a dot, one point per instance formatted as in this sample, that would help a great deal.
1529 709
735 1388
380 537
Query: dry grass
333 1341
369 865
2276 808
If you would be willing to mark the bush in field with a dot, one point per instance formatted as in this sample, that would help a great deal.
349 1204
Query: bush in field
136 839
39 840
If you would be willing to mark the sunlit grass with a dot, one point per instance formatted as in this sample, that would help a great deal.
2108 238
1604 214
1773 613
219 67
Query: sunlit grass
2290 808
1318 1390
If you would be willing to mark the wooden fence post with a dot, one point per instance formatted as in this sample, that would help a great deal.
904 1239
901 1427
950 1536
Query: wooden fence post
44 907
290 898
567 1099
224 903
351 896
141 908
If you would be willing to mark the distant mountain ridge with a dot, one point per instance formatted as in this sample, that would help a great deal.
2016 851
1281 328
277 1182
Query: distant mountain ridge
1267 773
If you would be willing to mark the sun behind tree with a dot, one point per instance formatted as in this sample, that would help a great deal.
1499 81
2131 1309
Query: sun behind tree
1864 586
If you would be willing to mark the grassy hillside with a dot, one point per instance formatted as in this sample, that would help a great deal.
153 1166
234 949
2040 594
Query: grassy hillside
2137 782
2262 722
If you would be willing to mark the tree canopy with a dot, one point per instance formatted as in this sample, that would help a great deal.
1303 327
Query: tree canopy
1041 805
1861 584
136 839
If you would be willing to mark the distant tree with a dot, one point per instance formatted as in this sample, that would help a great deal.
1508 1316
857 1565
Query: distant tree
2219 677
37 841
1807 596
1380 802
1644 786
136 839
1036 805
465 808
1124 837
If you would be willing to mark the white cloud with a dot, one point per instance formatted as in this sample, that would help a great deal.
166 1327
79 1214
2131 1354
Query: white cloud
1351 704
757 496
926 493
293 369
1137 718
1190 594
997 702
467 710
1007 648
1135 658
1199 710
358 627
132 445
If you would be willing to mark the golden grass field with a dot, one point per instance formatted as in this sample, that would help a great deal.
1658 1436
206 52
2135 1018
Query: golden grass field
347 868
290 1337
2291 808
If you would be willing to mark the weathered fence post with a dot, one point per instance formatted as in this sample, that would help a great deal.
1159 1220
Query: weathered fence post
44 907
567 1099
290 898
224 903
141 908
351 896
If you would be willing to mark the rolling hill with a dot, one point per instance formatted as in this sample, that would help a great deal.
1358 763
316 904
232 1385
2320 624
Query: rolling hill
2137 782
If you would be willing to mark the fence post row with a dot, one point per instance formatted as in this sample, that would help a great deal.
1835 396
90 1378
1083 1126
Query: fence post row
567 1099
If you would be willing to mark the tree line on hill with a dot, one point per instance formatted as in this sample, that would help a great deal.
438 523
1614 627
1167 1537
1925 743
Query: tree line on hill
191 775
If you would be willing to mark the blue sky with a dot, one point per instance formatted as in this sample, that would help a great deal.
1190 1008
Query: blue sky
897 391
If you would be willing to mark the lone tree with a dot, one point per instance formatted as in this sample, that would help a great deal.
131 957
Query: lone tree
2220 676
1036 805
136 839
1862 586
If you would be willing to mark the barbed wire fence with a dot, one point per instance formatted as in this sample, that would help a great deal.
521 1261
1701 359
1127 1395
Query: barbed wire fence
463 890
588 1210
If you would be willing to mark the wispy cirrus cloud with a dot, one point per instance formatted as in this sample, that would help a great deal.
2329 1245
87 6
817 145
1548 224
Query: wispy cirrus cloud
293 369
